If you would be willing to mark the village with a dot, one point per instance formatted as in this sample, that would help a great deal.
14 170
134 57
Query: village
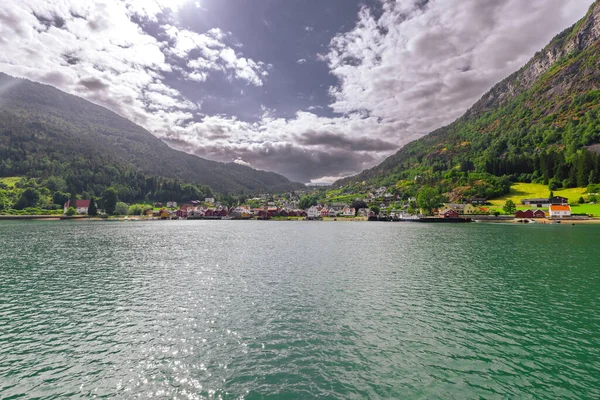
378 206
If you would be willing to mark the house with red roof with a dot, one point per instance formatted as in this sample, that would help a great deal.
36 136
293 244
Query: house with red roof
81 206
519 214
539 214
450 213
560 211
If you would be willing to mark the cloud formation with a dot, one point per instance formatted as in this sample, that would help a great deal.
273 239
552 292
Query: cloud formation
402 70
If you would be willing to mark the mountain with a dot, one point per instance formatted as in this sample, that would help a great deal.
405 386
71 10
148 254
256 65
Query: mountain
541 124
44 131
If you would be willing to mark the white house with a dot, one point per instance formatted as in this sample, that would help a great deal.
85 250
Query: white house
560 211
209 200
363 212
171 204
332 212
313 213
81 206
348 212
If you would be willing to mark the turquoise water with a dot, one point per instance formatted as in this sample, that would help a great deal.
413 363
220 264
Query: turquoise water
286 310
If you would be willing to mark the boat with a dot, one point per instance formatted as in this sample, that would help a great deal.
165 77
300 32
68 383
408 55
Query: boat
407 218
444 220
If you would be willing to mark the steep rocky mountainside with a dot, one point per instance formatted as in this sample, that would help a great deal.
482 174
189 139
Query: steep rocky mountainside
536 125
579 37
46 131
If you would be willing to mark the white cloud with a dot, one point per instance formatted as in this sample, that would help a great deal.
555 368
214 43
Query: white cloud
326 180
427 65
301 61
242 162
214 56
150 9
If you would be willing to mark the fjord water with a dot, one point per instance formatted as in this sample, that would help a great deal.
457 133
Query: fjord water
195 309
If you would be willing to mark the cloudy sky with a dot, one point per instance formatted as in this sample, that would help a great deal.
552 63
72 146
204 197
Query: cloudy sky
312 89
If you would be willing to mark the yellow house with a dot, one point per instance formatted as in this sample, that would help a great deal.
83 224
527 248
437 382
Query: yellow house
461 209
164 214
469 209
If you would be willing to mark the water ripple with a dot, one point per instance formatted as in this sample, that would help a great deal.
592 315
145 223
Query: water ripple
204 309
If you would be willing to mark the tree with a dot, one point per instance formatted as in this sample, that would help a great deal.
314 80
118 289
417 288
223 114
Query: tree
593 178
29 198
135 209
56 184
358 204
581 200
93 209
509 207
121 208
71 211
307 201
375 209
60 198
73 198
428 199
109 200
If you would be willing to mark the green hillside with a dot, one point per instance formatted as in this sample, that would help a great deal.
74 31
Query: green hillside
540 125
46 133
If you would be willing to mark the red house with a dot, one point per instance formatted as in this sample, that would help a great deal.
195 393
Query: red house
81 206
528 214
519 214
449 214
539 214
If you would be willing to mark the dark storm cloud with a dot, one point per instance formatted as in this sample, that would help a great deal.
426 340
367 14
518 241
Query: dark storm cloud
339 141
71 59
298 164
49 21
94 84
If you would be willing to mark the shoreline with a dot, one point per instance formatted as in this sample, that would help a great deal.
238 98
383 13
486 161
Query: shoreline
485 219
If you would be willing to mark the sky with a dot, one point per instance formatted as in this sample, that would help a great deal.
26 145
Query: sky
312 89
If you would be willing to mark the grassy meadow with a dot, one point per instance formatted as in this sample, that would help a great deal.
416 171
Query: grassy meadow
10 181
520 191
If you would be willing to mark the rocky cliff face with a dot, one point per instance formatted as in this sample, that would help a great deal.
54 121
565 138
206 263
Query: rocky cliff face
579 37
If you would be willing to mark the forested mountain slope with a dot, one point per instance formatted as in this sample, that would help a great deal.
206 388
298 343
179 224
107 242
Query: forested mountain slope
46 132
540 124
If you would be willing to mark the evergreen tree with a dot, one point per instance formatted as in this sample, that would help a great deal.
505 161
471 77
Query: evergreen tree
73 199
93 209
593 178
109 201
